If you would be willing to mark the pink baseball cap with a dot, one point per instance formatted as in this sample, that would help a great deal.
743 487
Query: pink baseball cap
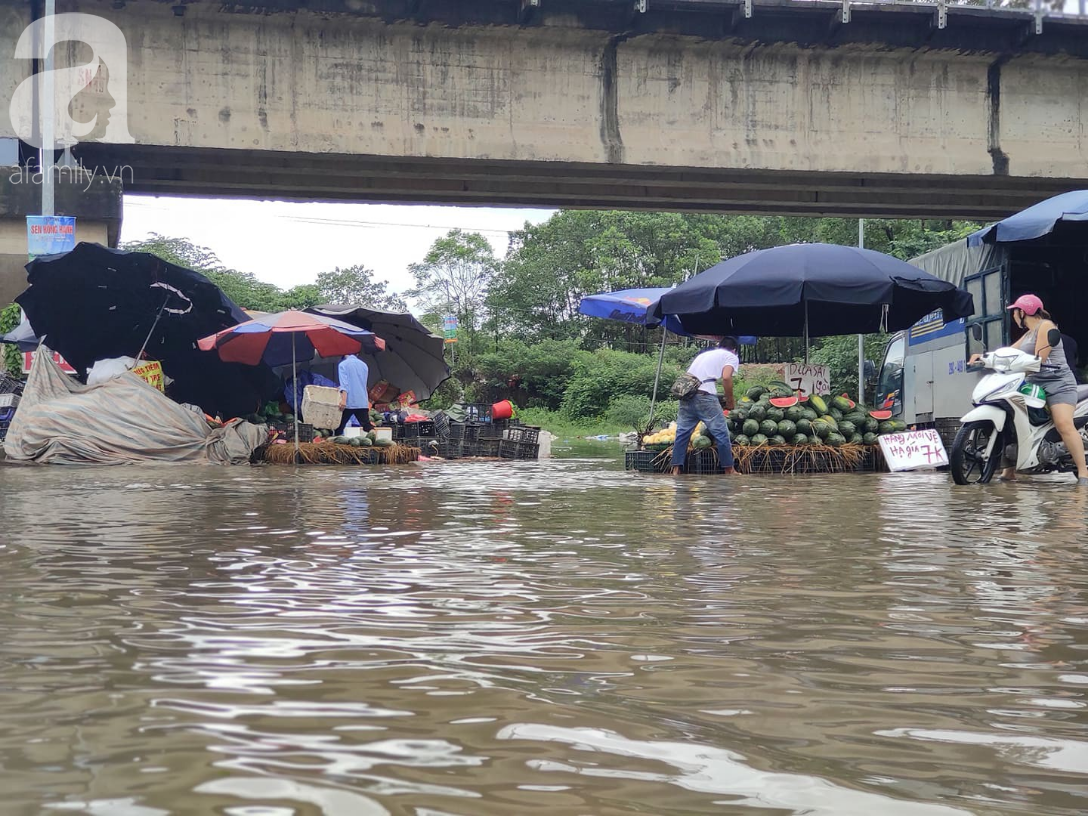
1029 304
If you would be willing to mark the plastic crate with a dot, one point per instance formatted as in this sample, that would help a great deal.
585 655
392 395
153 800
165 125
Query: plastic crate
424 429
10 385
450 448
478 412
305 432
7 414
441 425
524 433
640 460
486 448
508 449
703 461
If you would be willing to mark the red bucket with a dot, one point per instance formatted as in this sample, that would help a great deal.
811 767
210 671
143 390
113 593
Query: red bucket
502 410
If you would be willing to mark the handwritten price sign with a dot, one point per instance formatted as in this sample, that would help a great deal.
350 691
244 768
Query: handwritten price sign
913 450
808 379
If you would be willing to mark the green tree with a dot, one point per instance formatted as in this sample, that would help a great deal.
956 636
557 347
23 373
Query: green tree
455 274
355 286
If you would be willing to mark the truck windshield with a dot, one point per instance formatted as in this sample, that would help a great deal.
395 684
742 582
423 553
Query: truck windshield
889 388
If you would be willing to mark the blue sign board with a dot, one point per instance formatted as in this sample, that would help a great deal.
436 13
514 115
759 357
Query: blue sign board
932 327
50 234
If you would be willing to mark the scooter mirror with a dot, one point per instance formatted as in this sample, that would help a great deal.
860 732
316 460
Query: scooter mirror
1053 337
976 332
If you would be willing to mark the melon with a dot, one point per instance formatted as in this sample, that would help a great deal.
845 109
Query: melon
844 403
880 415
784 402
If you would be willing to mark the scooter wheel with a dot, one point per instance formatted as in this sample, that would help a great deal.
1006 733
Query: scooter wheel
968 460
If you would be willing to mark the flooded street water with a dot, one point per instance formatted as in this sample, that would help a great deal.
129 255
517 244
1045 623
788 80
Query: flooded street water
554 638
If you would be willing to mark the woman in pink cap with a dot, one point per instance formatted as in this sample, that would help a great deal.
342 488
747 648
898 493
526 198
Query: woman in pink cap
1054 377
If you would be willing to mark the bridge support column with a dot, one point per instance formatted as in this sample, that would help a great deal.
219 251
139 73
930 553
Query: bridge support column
94 201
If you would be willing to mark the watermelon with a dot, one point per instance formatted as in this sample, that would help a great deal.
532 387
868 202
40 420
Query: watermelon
880 415
800 440
830 420
776 414
365 442
887 427
759 439
383 443
835 440
795 414
835 412
821 429
899 425
869 439
818 404
847 429
809 414
757 412
787 429
804 427
768 427
755 392
742 440
750 428
844 403
857 439
856 417
871 425
700 443
776 441
784 402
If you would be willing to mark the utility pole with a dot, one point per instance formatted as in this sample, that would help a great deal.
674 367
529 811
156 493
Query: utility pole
48 108
861 337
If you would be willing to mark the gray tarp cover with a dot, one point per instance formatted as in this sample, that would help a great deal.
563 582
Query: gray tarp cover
956 261
122 421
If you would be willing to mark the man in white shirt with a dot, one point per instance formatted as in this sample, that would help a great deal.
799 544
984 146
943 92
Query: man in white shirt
719 363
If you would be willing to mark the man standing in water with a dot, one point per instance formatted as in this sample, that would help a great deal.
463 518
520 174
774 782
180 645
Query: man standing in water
719 363
354 397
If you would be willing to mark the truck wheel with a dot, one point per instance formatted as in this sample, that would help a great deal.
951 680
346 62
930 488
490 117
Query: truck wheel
968 460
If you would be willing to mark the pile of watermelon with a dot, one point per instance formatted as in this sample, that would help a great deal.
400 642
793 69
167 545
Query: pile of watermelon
775 416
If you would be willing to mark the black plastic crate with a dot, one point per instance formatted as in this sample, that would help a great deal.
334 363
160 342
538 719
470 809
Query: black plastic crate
508 449
524 433
703 461
496 429
424 429
450 448
441 425
7 414
305 432
641 460
457 430
486 447
10 385
478 412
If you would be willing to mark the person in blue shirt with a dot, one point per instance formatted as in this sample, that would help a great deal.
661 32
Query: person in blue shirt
354 397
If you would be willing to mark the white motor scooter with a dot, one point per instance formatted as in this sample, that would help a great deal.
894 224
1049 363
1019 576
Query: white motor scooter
1006 421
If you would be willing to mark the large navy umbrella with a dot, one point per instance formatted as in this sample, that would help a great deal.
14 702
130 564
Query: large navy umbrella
95 303
1036 221
811 290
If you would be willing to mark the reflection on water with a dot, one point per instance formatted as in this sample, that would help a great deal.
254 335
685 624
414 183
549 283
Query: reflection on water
553 638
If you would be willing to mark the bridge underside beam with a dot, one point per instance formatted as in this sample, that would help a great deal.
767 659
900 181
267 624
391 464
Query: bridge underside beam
309 177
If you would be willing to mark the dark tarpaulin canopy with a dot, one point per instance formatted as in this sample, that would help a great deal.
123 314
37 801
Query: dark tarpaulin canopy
1035 221
96 303
413 359
824 288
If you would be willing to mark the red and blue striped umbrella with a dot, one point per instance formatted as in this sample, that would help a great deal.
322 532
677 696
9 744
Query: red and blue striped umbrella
281 338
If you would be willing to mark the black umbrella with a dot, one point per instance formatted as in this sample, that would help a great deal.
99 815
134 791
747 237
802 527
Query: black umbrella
812 290
413 359
95 303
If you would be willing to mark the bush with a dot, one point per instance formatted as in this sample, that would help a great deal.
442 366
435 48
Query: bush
601 376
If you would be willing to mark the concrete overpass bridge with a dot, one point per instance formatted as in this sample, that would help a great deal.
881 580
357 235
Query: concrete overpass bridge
801 107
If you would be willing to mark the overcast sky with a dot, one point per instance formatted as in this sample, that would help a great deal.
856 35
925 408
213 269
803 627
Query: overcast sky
287 244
